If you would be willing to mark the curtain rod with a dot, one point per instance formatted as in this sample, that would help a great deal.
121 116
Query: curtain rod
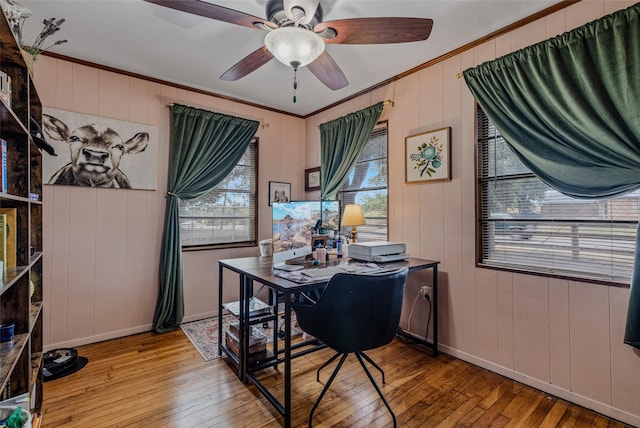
266 124
262 124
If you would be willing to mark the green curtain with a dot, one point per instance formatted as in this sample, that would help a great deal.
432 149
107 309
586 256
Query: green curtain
569 107
341 143
205 147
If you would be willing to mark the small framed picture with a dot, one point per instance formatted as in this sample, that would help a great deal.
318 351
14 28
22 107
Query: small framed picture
312 179
319 241
428 156
279 192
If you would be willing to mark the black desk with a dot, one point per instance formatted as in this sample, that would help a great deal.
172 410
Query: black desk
259 269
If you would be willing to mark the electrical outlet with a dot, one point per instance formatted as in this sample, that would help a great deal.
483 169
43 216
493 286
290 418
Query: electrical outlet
425 290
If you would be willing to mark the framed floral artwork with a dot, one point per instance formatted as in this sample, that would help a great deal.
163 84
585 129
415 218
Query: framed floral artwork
428 156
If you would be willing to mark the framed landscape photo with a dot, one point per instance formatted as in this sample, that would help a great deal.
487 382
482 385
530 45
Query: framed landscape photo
279 192
428 156
312 179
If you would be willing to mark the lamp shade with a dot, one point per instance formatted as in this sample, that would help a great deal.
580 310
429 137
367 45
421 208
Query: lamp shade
294 46
353 215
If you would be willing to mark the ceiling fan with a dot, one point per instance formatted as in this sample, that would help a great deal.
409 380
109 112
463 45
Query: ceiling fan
296 35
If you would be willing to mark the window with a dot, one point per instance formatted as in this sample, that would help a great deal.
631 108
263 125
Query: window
367 185
526 225
227 214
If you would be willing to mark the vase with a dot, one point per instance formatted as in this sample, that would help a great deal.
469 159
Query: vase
28 59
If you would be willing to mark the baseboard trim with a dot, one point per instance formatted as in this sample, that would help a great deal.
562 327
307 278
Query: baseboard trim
119 333
562 393
99 338
199 317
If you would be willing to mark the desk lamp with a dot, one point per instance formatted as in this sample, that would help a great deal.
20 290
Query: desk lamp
353 217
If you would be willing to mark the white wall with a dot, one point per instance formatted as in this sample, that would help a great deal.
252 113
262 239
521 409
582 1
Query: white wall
561 336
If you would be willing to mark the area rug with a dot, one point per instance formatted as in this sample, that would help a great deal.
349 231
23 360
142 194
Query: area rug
203 334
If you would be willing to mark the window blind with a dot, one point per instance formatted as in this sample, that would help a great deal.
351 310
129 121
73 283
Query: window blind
227 214
526 225
367 185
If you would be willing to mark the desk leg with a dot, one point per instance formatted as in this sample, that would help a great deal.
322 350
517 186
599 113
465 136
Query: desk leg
220 309
245 294
435 311
434 314
273 301
287 360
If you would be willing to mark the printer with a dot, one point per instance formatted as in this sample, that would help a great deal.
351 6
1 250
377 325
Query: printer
378 251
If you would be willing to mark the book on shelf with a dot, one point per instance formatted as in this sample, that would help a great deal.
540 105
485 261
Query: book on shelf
257 335
3 174
257 342
3 241
9 235
256 307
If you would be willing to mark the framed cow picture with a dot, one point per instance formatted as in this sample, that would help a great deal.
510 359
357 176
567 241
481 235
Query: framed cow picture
90 151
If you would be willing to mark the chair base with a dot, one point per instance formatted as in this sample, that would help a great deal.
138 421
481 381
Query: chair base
361 356
337 354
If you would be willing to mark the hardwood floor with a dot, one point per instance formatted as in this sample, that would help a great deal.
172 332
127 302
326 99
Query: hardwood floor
152 380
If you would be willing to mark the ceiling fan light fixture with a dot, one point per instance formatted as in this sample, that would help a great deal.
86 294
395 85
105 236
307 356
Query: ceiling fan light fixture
293 45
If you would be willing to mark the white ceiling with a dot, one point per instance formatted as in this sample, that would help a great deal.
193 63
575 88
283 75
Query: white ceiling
177 47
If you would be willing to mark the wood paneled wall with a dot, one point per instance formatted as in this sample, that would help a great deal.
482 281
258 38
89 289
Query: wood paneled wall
102 246
561 336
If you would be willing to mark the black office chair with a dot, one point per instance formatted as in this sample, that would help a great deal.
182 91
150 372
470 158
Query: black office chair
354 314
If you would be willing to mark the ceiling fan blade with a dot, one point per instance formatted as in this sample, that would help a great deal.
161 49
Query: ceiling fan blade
328 72
373 31
213 11
248 64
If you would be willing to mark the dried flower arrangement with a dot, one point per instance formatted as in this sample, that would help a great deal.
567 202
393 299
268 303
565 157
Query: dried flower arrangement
17 14
51 26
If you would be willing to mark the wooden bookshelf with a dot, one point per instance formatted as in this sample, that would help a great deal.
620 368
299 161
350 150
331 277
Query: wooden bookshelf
21 366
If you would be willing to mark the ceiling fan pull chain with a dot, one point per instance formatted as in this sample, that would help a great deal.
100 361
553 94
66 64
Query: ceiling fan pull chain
295 65
295 83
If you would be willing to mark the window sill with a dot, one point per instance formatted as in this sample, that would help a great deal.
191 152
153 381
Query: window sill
209 247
